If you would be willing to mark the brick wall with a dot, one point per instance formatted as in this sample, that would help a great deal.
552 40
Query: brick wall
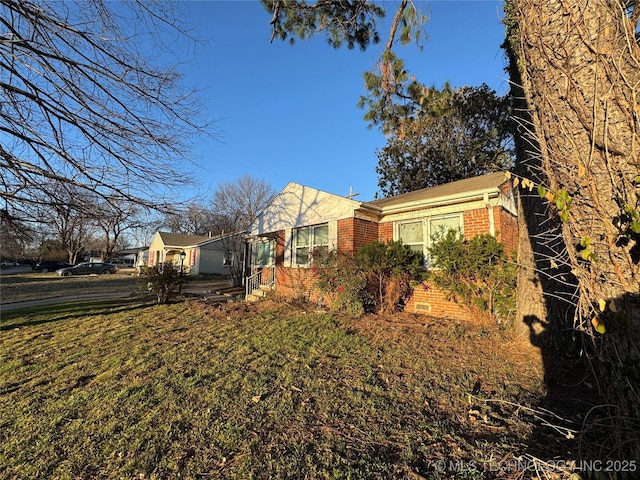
429 300
280 246
475 222
354 233
295 283
507 228
385 232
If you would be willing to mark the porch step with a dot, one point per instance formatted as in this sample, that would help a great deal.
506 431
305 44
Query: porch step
259 293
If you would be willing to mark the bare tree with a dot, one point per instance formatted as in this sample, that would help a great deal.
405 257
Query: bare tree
194 219
68 220
112 220
242 200
83 106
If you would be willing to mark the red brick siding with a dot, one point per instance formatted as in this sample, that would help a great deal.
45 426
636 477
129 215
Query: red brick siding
437 301
280 247
345 235
475 222
295 283
507 230
354 233
385 232
365 232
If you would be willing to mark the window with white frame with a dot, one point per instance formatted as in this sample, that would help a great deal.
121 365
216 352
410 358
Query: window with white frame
419 234
310 241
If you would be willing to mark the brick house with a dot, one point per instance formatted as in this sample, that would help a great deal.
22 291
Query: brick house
302 219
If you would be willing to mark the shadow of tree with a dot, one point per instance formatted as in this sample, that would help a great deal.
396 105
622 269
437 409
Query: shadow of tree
580 418
44 314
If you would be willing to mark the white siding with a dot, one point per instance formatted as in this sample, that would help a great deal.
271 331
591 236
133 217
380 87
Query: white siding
298 206
333 235
288 239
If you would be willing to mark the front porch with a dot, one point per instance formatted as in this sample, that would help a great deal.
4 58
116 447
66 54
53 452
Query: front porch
258 284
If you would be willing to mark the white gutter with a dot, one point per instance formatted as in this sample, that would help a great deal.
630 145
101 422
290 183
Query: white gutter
442 201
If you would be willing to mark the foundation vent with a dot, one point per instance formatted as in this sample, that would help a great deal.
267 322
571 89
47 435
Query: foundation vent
422 307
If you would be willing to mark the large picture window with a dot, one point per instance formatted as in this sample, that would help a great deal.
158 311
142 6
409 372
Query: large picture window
310 241
418 234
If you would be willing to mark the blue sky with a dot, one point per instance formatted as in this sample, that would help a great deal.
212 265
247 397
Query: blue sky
288 113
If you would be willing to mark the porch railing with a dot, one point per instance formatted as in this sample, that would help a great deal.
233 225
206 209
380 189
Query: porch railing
264 277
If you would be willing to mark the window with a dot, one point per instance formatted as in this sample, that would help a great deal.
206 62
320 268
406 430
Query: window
418 234
263 253
314 240
412 234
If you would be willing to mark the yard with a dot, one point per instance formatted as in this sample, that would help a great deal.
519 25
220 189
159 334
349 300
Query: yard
36 285
128 389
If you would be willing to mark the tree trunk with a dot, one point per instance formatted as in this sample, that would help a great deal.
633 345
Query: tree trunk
577 66
581 75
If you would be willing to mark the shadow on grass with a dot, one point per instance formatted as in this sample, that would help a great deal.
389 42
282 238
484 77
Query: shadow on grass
42 314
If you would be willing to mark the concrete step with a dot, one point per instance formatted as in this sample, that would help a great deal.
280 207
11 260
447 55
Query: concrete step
259 293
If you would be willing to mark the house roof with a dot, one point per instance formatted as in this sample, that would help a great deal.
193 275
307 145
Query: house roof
209 240
481 184
298 205
181 239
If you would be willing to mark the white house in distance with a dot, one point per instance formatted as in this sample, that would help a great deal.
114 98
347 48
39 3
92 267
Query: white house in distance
202 254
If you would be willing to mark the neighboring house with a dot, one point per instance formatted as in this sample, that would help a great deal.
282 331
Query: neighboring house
302 219
202 254
125 258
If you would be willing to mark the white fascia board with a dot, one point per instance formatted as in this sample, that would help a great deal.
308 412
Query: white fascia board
435 211
462 197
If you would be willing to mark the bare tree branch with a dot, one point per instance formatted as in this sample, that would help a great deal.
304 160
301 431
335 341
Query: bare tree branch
83 106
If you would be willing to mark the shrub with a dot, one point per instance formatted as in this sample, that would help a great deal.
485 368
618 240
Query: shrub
341 281
377 279
389 268
162 280
475 272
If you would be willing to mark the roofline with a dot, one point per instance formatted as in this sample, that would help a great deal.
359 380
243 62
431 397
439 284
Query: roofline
439 201
359 203
215 239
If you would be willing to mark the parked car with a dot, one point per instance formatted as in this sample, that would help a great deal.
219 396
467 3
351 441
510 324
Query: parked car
121 263
50 266
87 269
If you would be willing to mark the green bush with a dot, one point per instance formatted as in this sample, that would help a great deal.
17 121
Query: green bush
162 280
341 280
475 272
377 279
389 268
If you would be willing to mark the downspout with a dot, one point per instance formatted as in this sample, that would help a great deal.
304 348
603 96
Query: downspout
492 221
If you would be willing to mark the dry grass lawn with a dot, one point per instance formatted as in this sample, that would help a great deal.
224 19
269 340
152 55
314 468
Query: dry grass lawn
128 389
